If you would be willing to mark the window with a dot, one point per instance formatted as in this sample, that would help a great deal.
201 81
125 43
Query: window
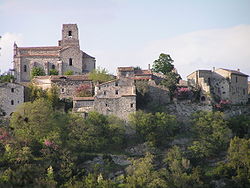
116 92
236 79
70 62
62 90
12 90
131 105
203 98
25 68
223 92
106 105
244 92
104 93
116 83
53 66
70 33
12 102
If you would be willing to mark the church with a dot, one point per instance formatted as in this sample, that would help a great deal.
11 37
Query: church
67 56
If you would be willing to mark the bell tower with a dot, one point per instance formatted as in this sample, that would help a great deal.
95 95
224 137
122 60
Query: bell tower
69 36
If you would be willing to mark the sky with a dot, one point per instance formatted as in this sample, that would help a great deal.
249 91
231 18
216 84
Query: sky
198 34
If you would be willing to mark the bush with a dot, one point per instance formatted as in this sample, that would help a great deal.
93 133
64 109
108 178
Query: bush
53 72
37 71
69 72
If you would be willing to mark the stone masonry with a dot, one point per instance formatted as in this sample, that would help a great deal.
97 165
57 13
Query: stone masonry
11 95
67 56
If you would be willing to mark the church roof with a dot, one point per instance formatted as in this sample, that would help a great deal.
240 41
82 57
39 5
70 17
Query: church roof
41 48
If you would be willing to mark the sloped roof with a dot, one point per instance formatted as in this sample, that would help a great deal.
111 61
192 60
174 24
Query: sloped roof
66 77
41 48
83 98
234 72
126 68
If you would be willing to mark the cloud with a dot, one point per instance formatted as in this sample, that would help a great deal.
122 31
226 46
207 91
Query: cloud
6 52
205 49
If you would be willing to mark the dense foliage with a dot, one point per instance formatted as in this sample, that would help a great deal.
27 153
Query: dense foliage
45 147
6 78
100 75
164 65
37 71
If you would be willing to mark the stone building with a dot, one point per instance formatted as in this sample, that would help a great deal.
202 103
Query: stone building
68 86
67 56
116 97
220 84
159 95
11 95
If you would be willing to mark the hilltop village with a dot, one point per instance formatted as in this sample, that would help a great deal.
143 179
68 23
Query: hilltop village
64 122
67 67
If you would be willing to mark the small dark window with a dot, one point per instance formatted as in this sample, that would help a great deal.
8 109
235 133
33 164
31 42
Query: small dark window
116 83
244 92
223 92
236 79
25 68
70 33
203 98
106 105
53 66
99 88
12 102
104 93
209 81
131 105
70 62
116 92
12 90
62 90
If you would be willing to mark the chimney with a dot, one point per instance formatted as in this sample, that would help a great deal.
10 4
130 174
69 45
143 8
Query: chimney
213 69
238 70
149 68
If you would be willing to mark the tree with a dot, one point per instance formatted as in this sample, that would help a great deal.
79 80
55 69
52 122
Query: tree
212 134
141 173
36 121
37 71
165 66
240 126
179 172
100 75
155 128
239 160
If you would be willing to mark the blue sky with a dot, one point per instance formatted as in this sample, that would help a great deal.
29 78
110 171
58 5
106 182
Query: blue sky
198 34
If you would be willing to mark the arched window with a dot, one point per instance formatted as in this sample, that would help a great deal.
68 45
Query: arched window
25 68
12 102
70 33
12 90
53 66
70 62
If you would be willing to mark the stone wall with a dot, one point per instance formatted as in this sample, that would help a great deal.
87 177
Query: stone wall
158 94
11 95
120 107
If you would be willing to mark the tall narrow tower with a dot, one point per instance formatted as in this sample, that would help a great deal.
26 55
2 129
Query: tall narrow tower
69 36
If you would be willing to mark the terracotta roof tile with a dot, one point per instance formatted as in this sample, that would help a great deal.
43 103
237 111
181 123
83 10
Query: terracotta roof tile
62 77
126 68
83 98
39 55
234 72
41 48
